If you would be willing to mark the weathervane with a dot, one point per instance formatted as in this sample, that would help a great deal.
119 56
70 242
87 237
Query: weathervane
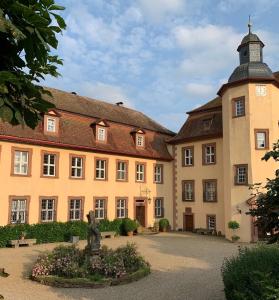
249 24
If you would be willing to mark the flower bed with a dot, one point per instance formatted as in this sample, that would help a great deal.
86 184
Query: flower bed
68 266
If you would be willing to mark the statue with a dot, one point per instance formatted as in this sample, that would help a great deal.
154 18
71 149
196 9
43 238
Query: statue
93 235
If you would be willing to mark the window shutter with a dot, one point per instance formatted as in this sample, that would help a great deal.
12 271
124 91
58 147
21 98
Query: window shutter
162 212
126 213
26 216
183 195
105 213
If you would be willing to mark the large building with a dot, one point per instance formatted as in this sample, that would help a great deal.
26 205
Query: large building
88 154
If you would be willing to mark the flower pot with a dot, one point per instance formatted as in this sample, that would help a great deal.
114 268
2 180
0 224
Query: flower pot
74 239
130 233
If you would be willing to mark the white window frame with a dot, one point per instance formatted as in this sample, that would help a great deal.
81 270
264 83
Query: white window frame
121 171
51 124
261 142
188 157
76 167
101 169
101 134
210 191
140 170
140 140
261 90
48 165
100 207
188 191
75 211
211 220
210 156
158 173
239 106
121 208
21 163
47 212
19 210
158 207
241 174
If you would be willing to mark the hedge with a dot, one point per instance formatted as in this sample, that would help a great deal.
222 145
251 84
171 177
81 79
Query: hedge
54 231
253 274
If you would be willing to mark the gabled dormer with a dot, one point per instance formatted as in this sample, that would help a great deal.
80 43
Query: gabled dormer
100 129
139 137
51 123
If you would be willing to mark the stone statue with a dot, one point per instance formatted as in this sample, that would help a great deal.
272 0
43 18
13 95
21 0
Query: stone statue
93 235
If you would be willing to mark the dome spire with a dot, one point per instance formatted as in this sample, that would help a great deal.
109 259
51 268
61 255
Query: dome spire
250 24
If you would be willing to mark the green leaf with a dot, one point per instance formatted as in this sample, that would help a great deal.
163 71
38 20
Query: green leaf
3 89
6 114
1 102
47 3
60 21
56 7
19 118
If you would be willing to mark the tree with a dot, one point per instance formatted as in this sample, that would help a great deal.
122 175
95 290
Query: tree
28 30
267 204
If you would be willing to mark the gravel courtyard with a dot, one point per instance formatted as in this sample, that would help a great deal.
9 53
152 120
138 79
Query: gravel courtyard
184 266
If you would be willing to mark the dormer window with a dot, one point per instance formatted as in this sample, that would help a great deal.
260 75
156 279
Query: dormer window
207 124
100 129
51 123
139 137
101 134
140 140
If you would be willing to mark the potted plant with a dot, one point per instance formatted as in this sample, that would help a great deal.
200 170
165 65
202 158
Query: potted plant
129 226
156 226
234 225
164 225
74 235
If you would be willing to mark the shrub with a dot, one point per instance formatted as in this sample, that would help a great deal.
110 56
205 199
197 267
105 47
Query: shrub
233 225
129 225
164 224
253 274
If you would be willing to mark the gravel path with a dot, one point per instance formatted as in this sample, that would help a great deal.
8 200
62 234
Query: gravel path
184 267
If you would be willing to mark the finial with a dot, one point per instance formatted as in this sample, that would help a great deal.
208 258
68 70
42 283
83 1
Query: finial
249 24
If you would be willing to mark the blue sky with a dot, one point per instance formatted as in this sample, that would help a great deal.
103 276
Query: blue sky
162 57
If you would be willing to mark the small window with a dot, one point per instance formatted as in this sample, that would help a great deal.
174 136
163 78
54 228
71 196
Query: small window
262 139
140 140
261 90
101 169
239 107
122 171
100 209
187 156
158 173
18 211
21 162
75 210
188 190
140 172
47 210
159 207
101 135
210 190
51 125
49 165
241 174
211 222
206 124
209 154
121 208
77 167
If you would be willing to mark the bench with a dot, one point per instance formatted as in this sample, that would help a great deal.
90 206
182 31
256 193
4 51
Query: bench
108 234
204 231
25 242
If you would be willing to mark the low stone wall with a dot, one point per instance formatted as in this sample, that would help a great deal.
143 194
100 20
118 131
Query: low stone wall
61 282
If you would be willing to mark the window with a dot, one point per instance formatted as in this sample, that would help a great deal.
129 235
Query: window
51 125
188 190
238 107
50 162
75 209
206 124
188 156
121 170
261 90
140 140
100 209
158 173
209 154
47 210
140 172
77 166
121 208
159 207
210 190
211 222
101 136
262 138
101 169
18 211
21 162
241 174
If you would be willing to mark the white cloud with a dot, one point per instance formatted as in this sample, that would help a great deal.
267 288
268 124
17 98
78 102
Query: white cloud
199 89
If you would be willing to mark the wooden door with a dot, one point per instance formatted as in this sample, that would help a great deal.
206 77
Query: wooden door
188 222
140 214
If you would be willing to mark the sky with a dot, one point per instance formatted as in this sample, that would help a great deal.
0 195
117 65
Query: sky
162 57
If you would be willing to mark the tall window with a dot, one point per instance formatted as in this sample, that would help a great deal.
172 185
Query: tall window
21 161
101 135
210 190
76 167
209 154
140 140
211 222
188 190
18 211
187 156
100 208
140 172
75 212
262 138
47 210
239 107
121 208
158 173
101 169
241 174
159 208
49 164
51 125
122 170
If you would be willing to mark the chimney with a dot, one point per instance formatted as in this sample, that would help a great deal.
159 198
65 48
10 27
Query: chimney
74 93
119 103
